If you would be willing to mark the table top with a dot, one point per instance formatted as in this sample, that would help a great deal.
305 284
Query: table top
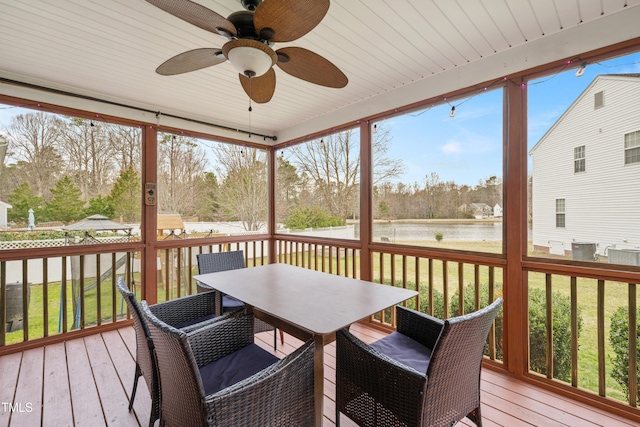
320 303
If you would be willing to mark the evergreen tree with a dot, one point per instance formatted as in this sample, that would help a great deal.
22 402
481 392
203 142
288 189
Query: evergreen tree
22 199
66 204
102 206
126 196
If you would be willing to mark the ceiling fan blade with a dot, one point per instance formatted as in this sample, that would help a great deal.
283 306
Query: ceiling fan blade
191 60
288 20
260 89
196 14
311 67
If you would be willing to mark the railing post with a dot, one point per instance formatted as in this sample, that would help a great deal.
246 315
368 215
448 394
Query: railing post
366 178
515 335
148 270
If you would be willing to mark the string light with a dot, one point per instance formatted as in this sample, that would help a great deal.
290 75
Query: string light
578 73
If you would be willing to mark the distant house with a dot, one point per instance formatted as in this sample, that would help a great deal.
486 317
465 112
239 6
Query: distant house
497 211
3 213
477 210
586 173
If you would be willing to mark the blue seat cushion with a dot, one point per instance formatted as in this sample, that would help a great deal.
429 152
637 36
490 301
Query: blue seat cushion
405 350
235 367
230 303
194 321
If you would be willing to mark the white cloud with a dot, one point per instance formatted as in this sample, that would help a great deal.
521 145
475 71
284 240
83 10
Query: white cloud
451 147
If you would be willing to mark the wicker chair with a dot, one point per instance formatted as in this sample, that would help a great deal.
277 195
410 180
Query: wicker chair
425 374
223 261
188 313
216 376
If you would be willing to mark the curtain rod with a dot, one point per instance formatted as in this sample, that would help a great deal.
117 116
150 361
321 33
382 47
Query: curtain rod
117 104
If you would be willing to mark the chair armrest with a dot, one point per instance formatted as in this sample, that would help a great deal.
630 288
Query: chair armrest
418 326
202 288
222 336
185 309
361 369
283 391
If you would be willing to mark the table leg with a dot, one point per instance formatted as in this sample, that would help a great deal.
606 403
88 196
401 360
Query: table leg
318 379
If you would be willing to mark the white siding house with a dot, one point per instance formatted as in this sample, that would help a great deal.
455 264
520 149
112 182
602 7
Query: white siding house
586 173
3 213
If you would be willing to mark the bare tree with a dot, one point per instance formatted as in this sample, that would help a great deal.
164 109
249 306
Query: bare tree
181 164
244 192
89 156
332 164
126 142
34 140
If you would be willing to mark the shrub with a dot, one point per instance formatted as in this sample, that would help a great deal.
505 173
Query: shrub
561 312
619 339
438 235
302 217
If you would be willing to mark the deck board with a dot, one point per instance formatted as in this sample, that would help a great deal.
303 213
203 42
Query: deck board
56 396
28 396
113 397
88 381
9 370
85 401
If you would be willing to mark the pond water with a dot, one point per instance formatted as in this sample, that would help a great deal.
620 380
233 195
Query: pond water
398 231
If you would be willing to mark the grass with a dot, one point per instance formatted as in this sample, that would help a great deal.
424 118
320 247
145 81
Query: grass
616 294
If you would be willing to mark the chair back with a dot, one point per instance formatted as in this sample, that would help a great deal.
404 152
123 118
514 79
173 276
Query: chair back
145 357
453 375
181 386
220 261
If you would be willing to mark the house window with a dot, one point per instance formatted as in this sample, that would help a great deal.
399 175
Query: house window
632 147
560 213
579 159
598 100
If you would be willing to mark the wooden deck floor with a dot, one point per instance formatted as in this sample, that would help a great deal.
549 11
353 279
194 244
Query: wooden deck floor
87 382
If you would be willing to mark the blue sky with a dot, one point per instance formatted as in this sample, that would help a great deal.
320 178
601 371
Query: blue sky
468 147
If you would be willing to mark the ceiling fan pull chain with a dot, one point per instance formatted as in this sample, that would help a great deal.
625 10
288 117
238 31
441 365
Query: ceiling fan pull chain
250 109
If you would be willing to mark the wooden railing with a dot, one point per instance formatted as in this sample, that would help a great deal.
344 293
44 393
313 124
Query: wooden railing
341 259
73 290
595 315
446 287
45 296
177 265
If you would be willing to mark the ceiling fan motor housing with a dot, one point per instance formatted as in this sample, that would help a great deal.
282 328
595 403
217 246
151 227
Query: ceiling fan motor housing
251 5
249 57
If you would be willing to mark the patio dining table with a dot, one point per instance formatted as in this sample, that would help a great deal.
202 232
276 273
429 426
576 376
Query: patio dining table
306 304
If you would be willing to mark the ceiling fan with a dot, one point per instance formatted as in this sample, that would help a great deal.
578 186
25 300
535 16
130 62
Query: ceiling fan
251 34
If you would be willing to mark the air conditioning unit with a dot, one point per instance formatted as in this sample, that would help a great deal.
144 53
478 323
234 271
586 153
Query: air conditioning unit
624 256
581 251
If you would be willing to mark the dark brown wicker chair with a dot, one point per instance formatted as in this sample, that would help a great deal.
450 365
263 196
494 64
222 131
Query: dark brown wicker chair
223 261
425 374
217 376
188 313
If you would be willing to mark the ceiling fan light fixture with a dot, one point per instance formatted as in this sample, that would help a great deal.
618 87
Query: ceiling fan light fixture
249 57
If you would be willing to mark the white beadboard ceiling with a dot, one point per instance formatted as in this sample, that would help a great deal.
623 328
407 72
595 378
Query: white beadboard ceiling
394 52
